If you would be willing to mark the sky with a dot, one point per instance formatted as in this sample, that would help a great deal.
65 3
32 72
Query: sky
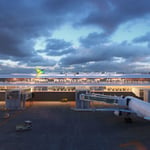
74 36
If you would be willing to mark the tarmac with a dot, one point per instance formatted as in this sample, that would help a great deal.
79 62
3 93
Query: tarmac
57 127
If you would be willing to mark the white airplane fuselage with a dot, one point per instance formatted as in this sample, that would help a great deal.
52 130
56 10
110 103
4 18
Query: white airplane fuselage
127 105
139 107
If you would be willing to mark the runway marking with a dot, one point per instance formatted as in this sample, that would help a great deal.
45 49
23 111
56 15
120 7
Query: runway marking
138 145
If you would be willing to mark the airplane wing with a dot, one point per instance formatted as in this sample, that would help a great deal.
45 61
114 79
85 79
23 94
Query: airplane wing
104 109
94 109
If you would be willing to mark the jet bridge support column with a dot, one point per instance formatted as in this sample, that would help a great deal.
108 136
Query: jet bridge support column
80 104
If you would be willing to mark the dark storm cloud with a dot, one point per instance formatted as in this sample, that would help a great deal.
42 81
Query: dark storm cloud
144 38
37 60
22 21
12 45
8 69
104 66
67 8
109 14
56 44
17 28
26 17
60 52
107 53
57 47
93 39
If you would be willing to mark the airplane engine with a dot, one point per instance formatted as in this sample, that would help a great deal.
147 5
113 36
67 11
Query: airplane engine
118 113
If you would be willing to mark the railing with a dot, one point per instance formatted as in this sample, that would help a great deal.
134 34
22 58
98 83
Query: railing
99 97
76 83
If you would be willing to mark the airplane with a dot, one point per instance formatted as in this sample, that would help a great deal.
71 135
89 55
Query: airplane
134 106
126 106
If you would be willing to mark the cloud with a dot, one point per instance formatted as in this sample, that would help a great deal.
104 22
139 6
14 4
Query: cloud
26 64
144 38
104 66
60 52
56 44
93 39
127 52
57 47
24 21
67 8
37 60
108 66
9 69
109 14
12 45
16 29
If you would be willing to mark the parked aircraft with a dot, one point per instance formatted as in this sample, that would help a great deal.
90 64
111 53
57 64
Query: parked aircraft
126 106
134 106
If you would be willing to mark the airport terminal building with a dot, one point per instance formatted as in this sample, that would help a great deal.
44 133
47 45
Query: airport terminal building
57 86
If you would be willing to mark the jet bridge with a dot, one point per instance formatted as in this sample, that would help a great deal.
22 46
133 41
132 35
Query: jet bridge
16 98
84 100
99 97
